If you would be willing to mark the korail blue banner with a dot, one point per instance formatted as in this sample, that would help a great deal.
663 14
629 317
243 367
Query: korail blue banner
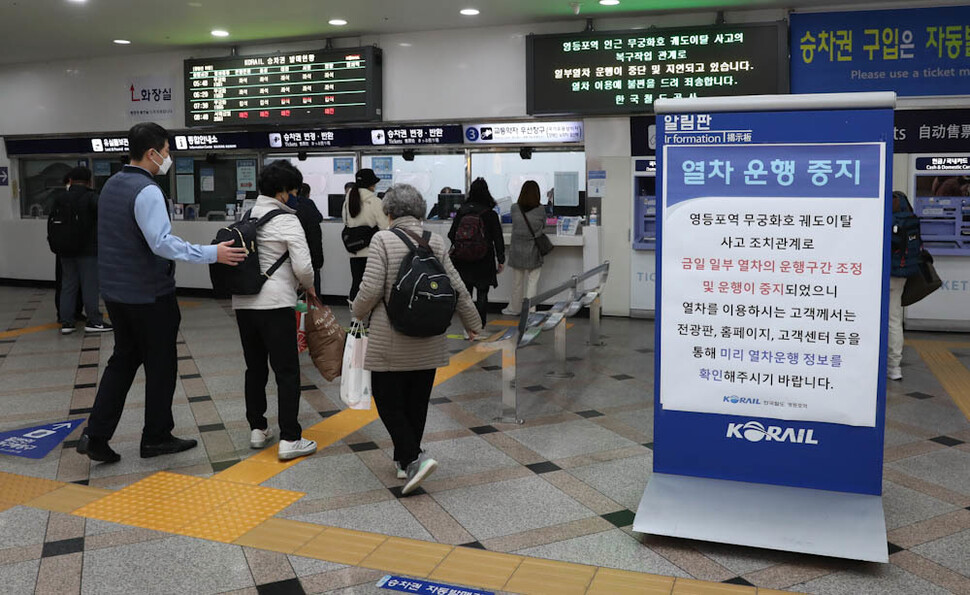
920 51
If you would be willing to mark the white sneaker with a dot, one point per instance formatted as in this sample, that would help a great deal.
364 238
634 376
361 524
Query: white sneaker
418 471
508 312
292 449
894 374
401 473
260 438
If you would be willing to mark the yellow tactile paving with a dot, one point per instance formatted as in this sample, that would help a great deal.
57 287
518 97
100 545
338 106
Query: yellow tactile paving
465 566
609 581
280 535
19 489
172 513
68 498
230 521
132 500
342 546
951 373
536 576
28 330
687 586
407 556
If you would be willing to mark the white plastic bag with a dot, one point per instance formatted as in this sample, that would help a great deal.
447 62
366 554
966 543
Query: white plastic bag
355 382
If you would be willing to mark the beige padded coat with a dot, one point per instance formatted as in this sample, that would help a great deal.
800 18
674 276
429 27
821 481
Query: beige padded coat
387 349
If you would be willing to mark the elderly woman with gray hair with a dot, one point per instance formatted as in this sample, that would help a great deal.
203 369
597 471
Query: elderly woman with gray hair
403 367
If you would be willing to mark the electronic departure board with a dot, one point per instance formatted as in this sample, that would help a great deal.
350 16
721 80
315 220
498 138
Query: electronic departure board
321 86
626 71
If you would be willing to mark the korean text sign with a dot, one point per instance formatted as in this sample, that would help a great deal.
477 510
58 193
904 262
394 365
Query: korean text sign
771 302
921 51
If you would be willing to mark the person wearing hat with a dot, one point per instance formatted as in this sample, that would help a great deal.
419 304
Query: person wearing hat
363 208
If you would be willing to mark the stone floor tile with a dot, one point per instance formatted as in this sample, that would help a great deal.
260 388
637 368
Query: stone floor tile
938 467
871 579
904 506
60 574
268 567
20 577
952 552
493 510
931 571
931 529
441 525
387 518
622 480
172 565
326 477
21 526
569 439
742 560
610 549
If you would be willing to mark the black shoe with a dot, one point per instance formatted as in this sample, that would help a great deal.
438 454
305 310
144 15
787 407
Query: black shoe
97 449
98 327
167 446
67 328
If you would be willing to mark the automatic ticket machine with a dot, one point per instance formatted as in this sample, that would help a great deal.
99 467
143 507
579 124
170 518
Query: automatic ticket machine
644 237
940 194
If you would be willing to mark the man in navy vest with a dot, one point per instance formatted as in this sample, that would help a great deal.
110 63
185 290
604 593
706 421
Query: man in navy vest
136 254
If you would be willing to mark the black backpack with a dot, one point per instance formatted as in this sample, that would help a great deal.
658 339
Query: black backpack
246 278
906 240
66 232
470 243
422 299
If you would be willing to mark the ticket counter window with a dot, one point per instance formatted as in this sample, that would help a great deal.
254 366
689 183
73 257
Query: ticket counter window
212 187
505 172
326 176
39 179
430 173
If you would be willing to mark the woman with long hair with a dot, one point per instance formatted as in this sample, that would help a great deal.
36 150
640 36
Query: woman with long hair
478 247
528 222
364 216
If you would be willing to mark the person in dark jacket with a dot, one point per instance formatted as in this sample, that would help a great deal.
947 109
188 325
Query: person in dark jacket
483 273
310 219
58 271
79 271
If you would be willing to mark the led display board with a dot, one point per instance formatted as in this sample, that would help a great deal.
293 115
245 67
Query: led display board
321 86
624 72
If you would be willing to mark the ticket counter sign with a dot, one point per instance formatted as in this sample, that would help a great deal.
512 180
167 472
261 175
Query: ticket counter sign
773 271
920 51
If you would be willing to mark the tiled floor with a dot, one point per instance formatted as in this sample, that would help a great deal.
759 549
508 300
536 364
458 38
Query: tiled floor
562 486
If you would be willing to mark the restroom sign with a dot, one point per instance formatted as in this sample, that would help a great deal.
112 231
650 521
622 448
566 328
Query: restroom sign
38 441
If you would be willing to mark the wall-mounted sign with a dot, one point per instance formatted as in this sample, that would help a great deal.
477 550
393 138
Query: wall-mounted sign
150 98
320 86
210 141
643 135
920 51
932 131
363 137
625 71
107 144
498 133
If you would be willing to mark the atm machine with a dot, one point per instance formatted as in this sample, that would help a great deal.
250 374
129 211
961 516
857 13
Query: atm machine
643 277
939 189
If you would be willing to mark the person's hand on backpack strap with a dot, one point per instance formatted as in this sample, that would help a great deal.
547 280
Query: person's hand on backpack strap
226 254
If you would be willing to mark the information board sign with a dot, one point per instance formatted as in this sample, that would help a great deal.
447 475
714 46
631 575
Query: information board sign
321 86
625 71
771 296
918 51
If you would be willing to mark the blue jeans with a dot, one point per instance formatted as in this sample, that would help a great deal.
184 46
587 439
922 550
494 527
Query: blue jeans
80 273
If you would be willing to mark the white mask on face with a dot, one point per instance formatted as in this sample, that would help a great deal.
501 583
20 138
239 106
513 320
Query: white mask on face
164 165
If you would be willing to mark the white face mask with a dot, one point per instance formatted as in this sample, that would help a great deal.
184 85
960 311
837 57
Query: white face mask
164 165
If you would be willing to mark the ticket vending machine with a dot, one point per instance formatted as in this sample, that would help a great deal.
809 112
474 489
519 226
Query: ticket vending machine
644 238
940 194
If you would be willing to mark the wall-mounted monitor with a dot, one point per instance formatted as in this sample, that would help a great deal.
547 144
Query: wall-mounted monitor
318 86
624 72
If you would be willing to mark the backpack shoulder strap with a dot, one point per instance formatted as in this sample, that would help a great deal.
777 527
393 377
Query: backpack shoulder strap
404 237
268 216
276 265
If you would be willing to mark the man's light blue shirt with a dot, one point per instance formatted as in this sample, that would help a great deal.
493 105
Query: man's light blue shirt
151 213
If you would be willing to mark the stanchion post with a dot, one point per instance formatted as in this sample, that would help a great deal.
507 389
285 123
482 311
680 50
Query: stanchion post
595 312
560 370
510 401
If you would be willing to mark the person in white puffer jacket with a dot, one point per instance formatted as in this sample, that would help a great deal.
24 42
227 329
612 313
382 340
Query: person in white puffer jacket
267 322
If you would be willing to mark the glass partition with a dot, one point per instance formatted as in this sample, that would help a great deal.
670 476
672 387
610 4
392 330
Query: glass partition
326 175
429 173
39 179
213 187
505 173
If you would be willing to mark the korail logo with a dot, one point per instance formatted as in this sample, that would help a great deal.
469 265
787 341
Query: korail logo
753 431
736 400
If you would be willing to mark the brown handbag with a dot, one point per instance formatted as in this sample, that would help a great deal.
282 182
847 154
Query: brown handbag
325 337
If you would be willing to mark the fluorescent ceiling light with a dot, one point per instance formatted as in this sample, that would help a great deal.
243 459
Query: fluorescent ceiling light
609 2
338 22
122 42
469 12
78 1
220 33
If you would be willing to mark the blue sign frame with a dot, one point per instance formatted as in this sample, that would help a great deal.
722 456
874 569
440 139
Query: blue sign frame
846 458
915 52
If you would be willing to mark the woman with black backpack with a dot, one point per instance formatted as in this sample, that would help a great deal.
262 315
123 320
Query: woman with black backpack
477 244
363 217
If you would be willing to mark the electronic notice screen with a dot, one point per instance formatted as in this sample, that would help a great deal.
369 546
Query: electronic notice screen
321 86
626 71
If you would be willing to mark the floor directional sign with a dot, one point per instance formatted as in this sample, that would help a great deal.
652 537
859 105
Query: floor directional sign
38 441
771 314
